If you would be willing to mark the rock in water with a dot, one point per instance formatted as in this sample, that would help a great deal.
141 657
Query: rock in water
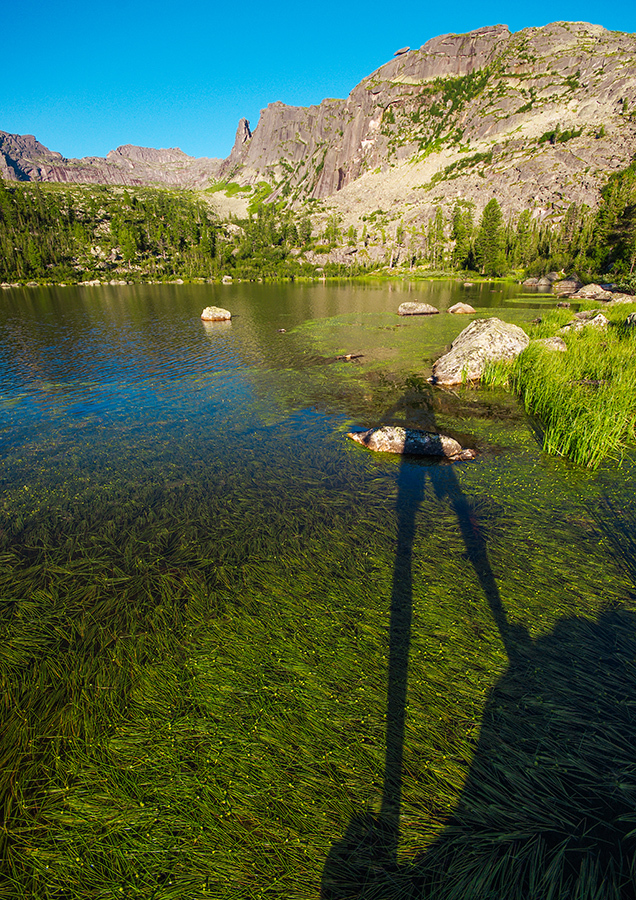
484 340
416 309
461 309
410 441
215 314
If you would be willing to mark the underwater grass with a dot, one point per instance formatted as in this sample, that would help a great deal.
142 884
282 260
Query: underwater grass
194 670
584 398
195 632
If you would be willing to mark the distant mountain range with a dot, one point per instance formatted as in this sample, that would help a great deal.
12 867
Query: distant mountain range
23 158
538 118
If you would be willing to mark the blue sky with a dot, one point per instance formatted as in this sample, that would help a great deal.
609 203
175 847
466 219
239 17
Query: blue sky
86 77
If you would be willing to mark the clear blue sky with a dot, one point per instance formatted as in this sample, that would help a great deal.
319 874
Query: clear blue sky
87 77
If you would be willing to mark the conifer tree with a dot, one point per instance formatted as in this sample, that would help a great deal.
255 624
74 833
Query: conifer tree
490 240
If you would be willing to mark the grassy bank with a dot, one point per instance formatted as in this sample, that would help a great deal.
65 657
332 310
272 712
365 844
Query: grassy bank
584 399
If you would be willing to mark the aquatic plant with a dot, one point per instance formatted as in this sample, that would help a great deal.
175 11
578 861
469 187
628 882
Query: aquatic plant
584 399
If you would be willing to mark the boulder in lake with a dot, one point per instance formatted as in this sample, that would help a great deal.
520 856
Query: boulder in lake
215 314
416 309
459 309
411 442
483 341
567 287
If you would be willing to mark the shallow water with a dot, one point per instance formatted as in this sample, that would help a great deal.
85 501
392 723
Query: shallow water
211 597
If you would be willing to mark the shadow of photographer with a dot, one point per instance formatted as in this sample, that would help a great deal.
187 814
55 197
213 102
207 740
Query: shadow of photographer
549 806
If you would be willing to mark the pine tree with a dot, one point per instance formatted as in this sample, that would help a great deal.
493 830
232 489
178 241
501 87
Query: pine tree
490 240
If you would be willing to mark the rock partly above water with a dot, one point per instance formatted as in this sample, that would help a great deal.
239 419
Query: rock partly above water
416 309
410 441
460 309
215 314
483 341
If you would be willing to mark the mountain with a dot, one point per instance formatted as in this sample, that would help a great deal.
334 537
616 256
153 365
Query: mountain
538 118
23 158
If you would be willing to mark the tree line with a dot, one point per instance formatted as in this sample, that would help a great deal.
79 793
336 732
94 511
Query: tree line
76 232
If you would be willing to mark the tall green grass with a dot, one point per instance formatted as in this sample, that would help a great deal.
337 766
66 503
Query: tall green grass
584 399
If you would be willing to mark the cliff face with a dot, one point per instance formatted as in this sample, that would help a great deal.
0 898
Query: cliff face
465 116
23 158
538 119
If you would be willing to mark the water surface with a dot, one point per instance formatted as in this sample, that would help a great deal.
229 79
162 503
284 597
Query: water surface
230 635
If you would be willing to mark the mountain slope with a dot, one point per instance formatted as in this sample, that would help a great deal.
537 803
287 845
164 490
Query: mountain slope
537 118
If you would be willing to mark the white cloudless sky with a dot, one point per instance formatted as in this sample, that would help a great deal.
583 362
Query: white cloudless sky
85 77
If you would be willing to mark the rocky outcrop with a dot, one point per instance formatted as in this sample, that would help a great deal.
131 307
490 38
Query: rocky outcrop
538 118
416 309
593 321
411 442
23 158
552 343
483 341
472 114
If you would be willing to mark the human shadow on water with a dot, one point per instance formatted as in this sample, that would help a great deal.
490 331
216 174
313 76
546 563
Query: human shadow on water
549 806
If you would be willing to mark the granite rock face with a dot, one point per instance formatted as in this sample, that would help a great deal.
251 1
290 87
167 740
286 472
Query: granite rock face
483 341
464 116
482 99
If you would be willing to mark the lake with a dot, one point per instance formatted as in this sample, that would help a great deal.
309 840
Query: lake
241 656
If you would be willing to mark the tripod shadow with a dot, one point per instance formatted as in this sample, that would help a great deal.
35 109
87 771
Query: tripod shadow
549 806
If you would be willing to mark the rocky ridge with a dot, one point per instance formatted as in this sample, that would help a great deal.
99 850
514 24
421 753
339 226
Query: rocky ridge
23 158
537 118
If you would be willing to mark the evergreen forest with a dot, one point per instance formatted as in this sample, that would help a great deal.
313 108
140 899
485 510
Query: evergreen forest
73 233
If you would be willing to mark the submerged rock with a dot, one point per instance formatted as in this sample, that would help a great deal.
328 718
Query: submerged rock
416 309
410 441
461 309
215 314
483 341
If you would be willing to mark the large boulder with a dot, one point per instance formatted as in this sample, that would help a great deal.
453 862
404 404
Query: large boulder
215 314
483 341
461 309
416 309
411 441
592 292
567 287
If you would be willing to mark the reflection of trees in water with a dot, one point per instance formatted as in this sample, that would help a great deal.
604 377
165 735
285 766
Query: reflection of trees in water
549 806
